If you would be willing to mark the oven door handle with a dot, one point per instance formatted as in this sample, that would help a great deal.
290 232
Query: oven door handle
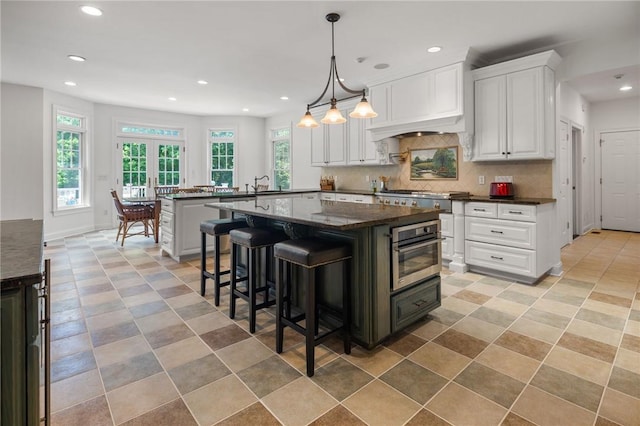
416 246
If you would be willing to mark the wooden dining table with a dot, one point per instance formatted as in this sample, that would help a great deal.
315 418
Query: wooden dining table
153 203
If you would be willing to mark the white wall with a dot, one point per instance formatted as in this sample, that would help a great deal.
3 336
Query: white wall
618 115
21 157
303 176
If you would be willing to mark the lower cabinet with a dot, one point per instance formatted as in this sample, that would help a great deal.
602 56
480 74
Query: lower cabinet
511 240
446 233
414 303
180 227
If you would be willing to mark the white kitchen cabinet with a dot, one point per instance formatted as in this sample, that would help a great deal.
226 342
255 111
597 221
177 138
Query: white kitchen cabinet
180 226
511 240
515 109
328 142
354 198
446 232
428 95
361 149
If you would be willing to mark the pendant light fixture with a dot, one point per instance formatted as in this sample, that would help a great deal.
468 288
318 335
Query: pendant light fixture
333 116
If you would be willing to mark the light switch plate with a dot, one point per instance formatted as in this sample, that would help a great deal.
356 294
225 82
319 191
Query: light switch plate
480 180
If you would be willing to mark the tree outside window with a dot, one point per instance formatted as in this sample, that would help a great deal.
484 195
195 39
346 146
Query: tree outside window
281 158
222 143
70 159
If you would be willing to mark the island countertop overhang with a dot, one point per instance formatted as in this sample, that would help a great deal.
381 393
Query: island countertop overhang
324 214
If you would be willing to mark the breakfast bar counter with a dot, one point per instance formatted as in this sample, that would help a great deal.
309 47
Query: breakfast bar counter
377 311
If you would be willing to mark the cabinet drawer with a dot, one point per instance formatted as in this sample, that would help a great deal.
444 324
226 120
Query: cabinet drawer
505 259
365 199
447 248
517 212
327 196
481 209
414 303
166 205
503 232
344 197
166 221
446 224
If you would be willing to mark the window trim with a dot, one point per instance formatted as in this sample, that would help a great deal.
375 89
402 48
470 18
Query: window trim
210 141
275 139
85 160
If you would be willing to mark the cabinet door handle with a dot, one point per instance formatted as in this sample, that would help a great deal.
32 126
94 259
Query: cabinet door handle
419 303
497 258
497 232
514 212
503 153
479 210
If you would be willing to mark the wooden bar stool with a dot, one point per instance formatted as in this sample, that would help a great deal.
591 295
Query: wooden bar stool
310 253
253 239
217 228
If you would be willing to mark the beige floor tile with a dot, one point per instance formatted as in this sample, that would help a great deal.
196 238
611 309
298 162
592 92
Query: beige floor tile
583 366
511 363
429 330
181 352
528 289
620 408
440 360
595 332
184 300
230 397
460 406
478 329
486 289
556 307
379 404
299 402
606 308
75 389
139 397
63 295
545 409
536 330
209 322
506 306
140 299
632 327
375 361
96 299
628 360
297 358
244 354
158 321
121 350
70 345
458 305
109 319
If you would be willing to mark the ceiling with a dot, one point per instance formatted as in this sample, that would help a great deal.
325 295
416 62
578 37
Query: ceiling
140 53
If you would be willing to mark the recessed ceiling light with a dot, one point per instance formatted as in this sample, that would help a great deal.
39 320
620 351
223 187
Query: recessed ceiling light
245 109
284 98
203 82
90 10
172 99
381 66
625 88
434 49
76 58
70 83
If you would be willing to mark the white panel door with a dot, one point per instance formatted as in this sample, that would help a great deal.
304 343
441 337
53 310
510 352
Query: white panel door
620 164
565 214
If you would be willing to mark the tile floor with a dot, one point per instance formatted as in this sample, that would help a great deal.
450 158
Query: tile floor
134 343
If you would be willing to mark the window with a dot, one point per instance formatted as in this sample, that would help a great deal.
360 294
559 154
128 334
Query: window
222 159
281 158
71 188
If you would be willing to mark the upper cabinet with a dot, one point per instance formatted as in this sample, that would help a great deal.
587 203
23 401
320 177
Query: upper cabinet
424 96
328 142
515 109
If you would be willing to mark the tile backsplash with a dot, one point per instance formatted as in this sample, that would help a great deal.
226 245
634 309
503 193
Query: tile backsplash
532 179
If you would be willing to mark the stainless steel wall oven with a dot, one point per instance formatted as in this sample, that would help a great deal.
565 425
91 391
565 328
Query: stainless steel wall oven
416 253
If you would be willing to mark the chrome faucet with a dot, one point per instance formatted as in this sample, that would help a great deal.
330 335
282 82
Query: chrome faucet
255 182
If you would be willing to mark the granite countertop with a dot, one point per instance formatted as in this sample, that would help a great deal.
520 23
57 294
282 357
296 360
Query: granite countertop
515 200
231 195
20 252
328 214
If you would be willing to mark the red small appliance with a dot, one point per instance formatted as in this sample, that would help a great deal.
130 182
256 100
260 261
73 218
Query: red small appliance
501 190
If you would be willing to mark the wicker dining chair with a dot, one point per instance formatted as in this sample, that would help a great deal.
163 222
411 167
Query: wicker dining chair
129 215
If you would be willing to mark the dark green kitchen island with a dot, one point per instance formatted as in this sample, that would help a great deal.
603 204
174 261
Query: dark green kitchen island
377 311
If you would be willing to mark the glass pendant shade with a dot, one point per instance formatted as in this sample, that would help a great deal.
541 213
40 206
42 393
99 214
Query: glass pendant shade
363 110
333 116
307 121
